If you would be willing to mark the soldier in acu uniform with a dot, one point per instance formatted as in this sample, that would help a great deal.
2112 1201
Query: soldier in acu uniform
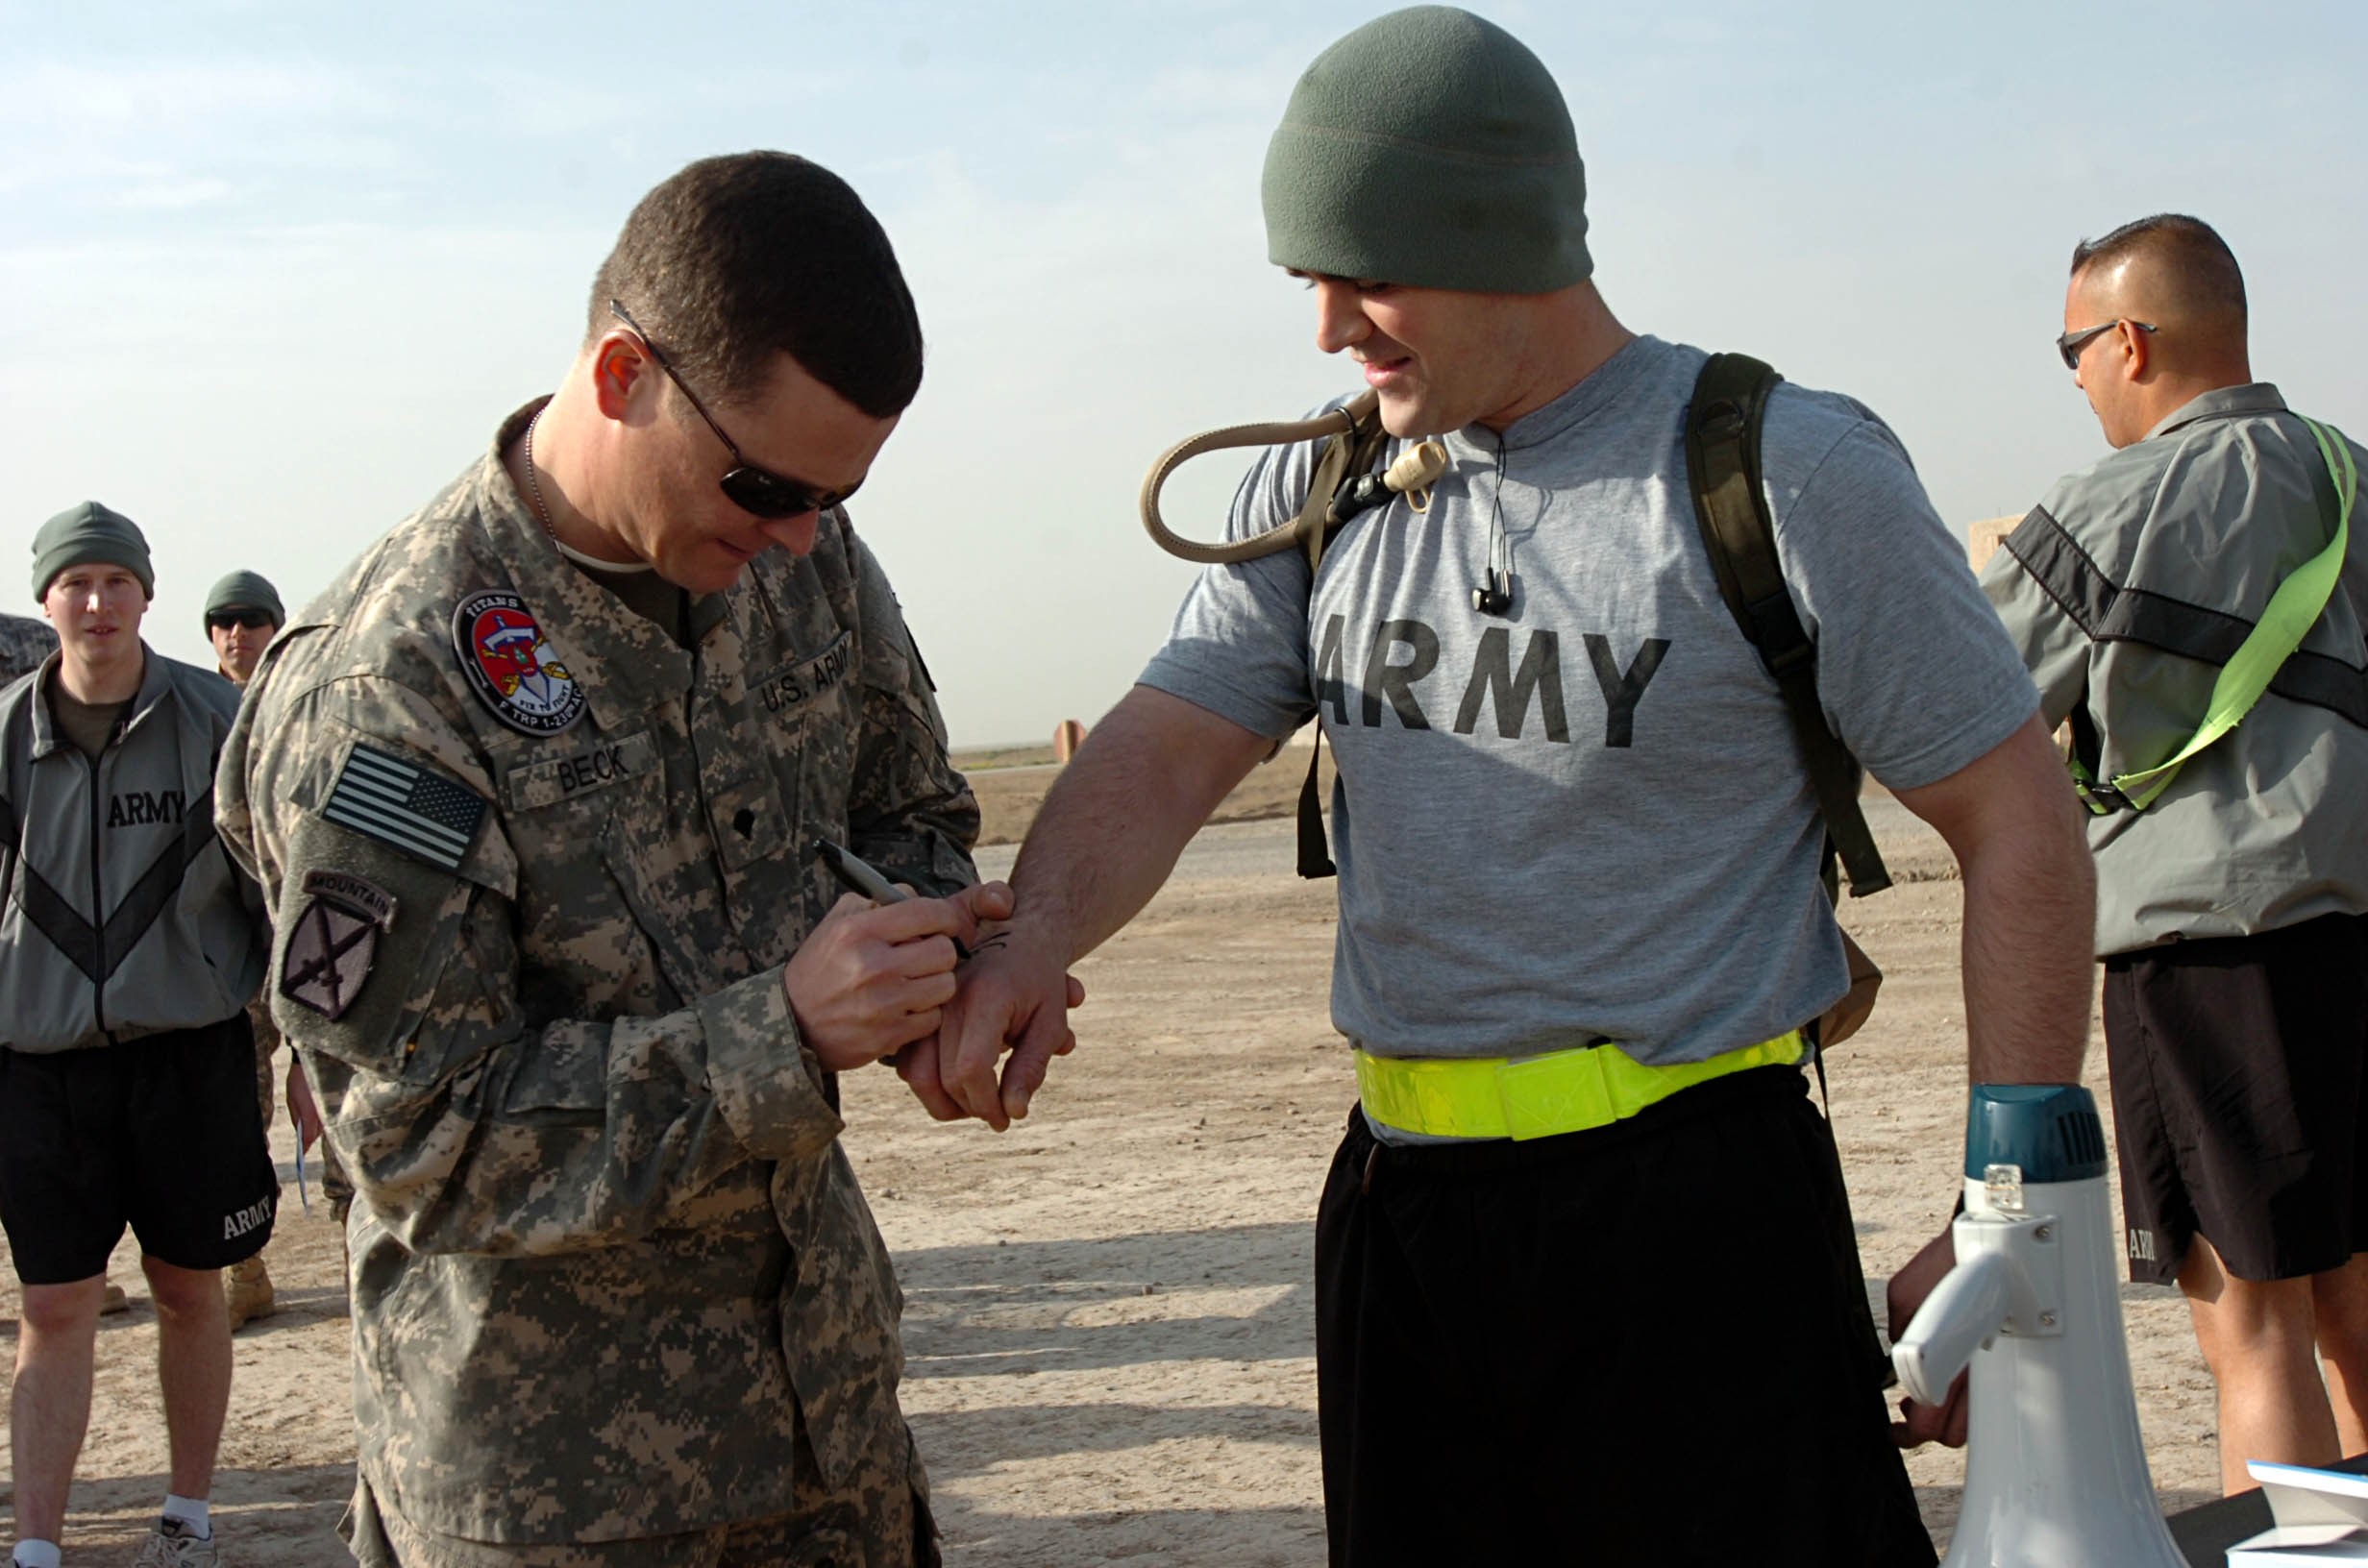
531 791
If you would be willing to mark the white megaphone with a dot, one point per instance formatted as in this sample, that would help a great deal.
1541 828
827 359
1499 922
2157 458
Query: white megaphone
2055 1474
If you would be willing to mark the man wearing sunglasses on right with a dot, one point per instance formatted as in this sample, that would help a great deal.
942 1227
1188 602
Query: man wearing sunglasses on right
2231 859
532 792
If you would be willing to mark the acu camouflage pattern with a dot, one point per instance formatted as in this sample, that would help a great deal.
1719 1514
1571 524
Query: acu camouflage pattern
609 1264
827 1529
24 643
259 1012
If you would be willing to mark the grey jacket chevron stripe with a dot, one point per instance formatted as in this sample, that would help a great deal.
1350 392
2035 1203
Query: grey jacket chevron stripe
120 913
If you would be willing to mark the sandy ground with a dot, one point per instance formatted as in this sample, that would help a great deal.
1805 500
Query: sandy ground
1111 1353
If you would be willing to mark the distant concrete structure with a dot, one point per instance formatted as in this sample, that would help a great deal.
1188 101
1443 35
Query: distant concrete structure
1067 737
1982 538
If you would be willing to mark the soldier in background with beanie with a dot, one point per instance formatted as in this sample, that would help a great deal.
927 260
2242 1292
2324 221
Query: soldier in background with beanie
129 947
242 613
1609 1329
25 645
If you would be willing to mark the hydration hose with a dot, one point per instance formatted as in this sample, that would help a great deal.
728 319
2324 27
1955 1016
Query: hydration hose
1344 484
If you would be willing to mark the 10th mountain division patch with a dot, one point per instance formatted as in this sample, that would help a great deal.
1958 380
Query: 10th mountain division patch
335 938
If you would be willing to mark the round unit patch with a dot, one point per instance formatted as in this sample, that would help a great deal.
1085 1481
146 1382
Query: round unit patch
511 668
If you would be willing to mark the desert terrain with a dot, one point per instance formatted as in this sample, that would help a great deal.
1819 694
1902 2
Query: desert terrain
1108 1326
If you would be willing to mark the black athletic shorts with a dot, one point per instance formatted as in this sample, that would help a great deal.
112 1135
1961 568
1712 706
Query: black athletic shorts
1647 1344
2240 1108
160 1133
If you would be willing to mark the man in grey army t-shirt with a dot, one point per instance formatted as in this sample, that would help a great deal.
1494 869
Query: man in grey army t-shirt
1579 820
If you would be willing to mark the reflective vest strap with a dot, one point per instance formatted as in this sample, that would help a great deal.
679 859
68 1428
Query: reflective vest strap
2292 610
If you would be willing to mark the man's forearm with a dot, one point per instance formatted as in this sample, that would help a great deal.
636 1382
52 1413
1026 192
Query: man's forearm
2029 927
1112 826
2030 917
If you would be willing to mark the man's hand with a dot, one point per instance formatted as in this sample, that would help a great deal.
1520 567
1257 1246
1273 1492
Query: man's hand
302 1109
1016 994
872 978
1108 833
1921 1424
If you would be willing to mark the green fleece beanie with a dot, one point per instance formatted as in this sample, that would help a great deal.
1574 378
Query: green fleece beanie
86 534
247 590
1433 149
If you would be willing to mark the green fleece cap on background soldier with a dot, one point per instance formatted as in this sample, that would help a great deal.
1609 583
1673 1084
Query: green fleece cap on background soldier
90 532
246 590
1429 148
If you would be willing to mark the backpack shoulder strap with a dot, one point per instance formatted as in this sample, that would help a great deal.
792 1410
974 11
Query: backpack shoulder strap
1343 458
1730 503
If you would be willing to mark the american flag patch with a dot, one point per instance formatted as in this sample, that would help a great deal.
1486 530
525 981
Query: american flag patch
416 811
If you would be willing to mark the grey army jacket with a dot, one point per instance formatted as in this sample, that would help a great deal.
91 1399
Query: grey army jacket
2126 589
613 1273
123 915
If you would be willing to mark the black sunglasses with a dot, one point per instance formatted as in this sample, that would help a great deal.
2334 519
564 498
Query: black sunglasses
2070 344
757 491
251 619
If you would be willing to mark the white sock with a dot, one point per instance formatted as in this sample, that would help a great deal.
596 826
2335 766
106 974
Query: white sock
190 1511
32 1553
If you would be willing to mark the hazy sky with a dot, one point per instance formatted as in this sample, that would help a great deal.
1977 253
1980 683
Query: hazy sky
272 273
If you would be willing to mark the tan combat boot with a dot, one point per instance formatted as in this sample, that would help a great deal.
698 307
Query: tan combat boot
246 1289
114 1299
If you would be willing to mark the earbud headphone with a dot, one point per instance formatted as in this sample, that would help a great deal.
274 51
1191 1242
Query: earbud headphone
1495 596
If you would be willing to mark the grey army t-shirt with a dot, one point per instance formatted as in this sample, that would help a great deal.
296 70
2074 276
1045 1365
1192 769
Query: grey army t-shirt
1588 818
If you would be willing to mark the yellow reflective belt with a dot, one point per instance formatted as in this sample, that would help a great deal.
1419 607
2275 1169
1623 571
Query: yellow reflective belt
1537 1096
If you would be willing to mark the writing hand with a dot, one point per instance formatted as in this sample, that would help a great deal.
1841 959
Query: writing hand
870 979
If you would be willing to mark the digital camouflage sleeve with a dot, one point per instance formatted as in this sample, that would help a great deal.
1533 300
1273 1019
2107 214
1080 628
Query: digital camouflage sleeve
24 643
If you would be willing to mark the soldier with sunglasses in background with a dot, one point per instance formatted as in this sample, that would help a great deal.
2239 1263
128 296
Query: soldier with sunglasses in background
531 791
242 613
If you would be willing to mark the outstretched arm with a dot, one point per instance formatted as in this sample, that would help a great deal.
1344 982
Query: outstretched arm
1109 833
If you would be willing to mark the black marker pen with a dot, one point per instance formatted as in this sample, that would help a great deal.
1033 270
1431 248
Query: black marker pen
859 876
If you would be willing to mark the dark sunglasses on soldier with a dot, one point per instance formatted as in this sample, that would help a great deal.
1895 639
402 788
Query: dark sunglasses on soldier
2070 344
757 491
224 620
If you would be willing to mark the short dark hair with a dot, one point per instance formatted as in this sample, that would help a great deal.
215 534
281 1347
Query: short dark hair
738 258
2195 264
